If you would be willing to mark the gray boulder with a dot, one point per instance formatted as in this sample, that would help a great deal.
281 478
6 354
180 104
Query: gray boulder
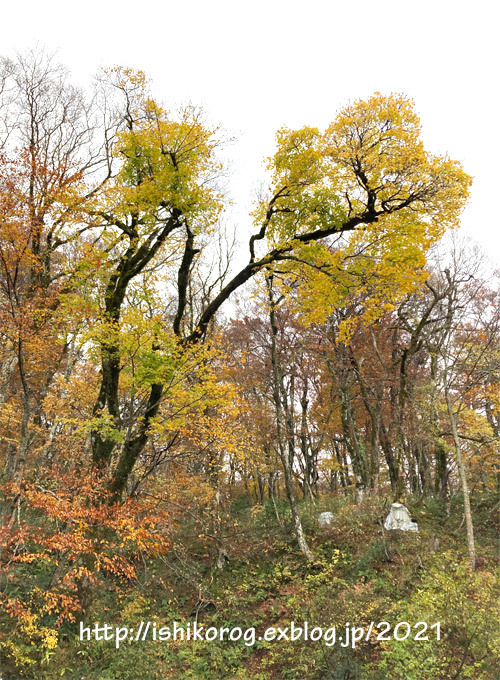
325 518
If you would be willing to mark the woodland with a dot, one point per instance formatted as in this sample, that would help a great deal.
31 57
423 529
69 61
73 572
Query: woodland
182 396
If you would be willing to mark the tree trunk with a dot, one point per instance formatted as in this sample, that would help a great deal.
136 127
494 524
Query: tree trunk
463 478
285 455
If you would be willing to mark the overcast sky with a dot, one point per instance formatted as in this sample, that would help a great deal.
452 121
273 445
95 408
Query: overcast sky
257 66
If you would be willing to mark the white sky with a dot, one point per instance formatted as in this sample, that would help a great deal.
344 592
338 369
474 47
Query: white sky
260 65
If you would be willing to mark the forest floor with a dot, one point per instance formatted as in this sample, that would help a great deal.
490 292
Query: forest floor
361 574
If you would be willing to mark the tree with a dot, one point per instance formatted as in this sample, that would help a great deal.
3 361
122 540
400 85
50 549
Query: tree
367 170
121 212
137 424
49 149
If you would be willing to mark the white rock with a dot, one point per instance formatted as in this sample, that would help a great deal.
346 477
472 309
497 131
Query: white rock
325 518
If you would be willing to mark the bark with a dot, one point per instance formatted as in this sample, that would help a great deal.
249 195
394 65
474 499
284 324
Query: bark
310 474
353 443
440 457
463 481
9 366
385 442
374 411
461 465
284 453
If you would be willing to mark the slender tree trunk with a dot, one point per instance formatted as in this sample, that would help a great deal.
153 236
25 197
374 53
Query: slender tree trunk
440 458
284 454
353 445
454 429
374 411
9 365
463 478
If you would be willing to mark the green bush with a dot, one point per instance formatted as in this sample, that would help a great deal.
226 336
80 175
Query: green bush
465 606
